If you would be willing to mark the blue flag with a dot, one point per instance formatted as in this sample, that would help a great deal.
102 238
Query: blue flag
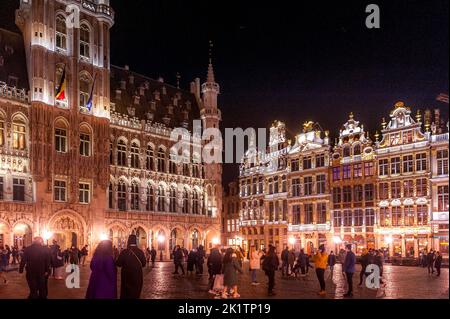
91 97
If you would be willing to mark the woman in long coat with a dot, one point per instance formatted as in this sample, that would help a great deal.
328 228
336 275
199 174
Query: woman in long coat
103 279
230 267
132 260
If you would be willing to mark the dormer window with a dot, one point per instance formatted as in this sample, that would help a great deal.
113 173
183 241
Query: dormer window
357 149
61 33
346 151
84 41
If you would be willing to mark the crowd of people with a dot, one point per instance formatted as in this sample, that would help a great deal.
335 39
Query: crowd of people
223 264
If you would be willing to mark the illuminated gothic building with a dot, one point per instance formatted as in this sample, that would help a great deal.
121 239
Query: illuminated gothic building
263 192
353 181
404 194
391 193
85 149
309 193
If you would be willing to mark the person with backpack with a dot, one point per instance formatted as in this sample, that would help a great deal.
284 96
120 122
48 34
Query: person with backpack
230 266
270 265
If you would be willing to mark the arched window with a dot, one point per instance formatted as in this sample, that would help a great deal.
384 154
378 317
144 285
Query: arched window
149 164
185 201
85 38
60 136
150 199
173 200
19 131
346 151
134 196
85 141
161 199
357 149
134 155
85 86
161 160
2 130
195 203
172 163
61 33
110 196
122 195
121 153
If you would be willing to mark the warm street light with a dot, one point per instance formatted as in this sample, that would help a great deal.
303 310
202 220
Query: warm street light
215 241
388 240
103 236
161 238
337 240
291 240
47 235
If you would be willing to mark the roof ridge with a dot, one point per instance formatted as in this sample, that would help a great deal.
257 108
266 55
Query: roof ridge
152 79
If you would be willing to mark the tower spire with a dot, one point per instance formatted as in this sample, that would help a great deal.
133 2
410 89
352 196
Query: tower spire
210 76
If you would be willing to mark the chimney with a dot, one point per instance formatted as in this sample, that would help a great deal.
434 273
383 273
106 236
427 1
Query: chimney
123 85
131 79
161 79
126 67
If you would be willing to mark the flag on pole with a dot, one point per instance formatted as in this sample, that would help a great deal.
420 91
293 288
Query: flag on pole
91 96
61 90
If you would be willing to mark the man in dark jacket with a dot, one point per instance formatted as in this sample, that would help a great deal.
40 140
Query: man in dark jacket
178 259
285 262
438 263
430 261
270 265
214 263
200 260
153 256
132 260
364 264
349 269
37 262
331 262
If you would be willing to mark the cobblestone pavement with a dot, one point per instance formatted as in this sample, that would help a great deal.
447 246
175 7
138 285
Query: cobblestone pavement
402 283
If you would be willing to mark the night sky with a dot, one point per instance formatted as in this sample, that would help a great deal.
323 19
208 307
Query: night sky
273 60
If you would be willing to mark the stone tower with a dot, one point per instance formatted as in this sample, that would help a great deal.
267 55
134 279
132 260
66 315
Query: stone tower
211 117
67 50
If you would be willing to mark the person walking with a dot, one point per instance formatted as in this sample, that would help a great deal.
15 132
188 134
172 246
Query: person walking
214 263
191 261
331 262
379 261
320 260
291 261
8 254
200 260
270 265
74 257
285 262
430 262
153 256
131 260
103 279
364 264
57 261
255 263
349 269
3 263
302 261
230 268
15 255
37 263
83 253
178 259
438 263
